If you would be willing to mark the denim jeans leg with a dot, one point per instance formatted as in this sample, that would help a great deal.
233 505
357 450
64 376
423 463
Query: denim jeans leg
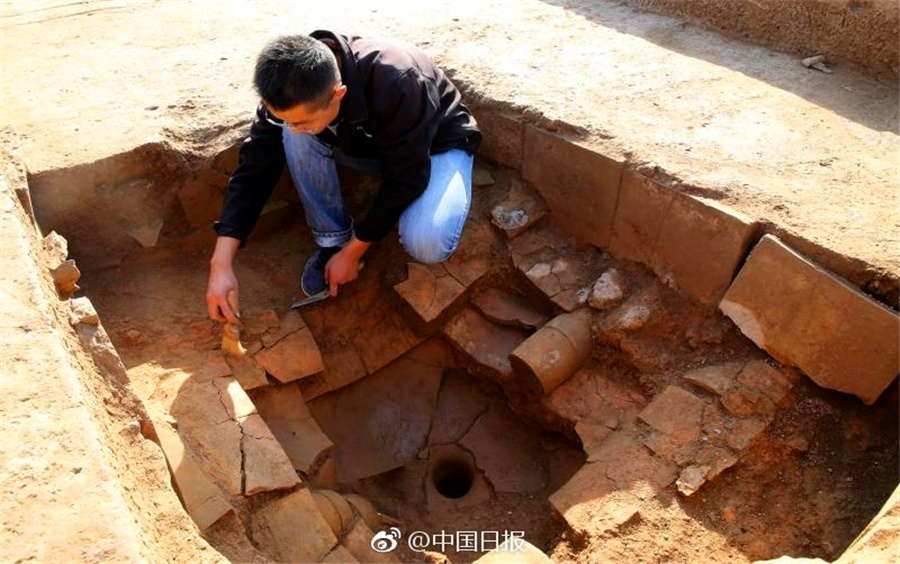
431 226
314 172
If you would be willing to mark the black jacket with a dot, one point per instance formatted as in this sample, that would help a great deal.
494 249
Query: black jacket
399 108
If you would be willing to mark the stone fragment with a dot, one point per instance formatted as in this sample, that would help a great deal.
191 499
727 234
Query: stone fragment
486 343
284 411
691 479
562 346
560 268
481 177
292 529
247 371
804 316
202 500
607 291
505 308
514 551
293 357
760 376
494 440
717 379
459 404
66 277
700 246
630 318
580 186
358 541
746 403
82 311
522 209
57 247
392 413
676 413
640 213
430 291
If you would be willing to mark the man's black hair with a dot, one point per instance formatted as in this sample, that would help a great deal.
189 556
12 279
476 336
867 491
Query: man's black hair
294 70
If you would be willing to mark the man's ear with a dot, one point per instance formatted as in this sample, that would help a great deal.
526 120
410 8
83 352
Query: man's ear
340 91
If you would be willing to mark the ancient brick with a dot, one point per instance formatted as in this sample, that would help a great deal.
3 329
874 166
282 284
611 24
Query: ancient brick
639 217
804 316
579 185
676 413
700 246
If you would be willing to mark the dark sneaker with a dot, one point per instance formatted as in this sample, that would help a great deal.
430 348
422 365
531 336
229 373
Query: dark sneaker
312 281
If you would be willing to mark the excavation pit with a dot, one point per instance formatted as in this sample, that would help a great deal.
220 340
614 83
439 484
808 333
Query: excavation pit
670 438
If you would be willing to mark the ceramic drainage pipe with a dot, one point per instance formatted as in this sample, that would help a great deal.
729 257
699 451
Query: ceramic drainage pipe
555 352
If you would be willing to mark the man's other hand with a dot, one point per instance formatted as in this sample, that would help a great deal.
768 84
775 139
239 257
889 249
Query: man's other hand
341 268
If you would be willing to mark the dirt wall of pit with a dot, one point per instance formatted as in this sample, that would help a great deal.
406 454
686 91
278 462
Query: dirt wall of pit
861 33
80 480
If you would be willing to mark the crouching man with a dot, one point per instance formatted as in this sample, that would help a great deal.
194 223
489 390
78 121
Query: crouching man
373 105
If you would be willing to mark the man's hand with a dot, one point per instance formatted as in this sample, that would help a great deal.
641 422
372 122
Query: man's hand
222 281
344 266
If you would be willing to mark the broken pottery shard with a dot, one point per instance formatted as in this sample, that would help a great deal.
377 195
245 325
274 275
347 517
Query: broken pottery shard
202 500
260 321
746 403
761 376
717 379
486 343
293 357
607 291
810 61
429 290
691 479
266 466
286 414
290 323
249 373
562 346
803 315
505 308
676 413
82 311
66 276
264 463
291 529
610 491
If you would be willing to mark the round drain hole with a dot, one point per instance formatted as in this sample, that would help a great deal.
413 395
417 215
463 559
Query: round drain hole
452 478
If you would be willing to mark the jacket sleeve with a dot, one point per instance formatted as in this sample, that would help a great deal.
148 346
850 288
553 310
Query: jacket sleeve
404 126
261 163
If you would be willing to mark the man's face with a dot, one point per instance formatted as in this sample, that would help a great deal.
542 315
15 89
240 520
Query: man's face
312 119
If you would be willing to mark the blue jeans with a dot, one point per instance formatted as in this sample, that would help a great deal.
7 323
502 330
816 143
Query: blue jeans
430 227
